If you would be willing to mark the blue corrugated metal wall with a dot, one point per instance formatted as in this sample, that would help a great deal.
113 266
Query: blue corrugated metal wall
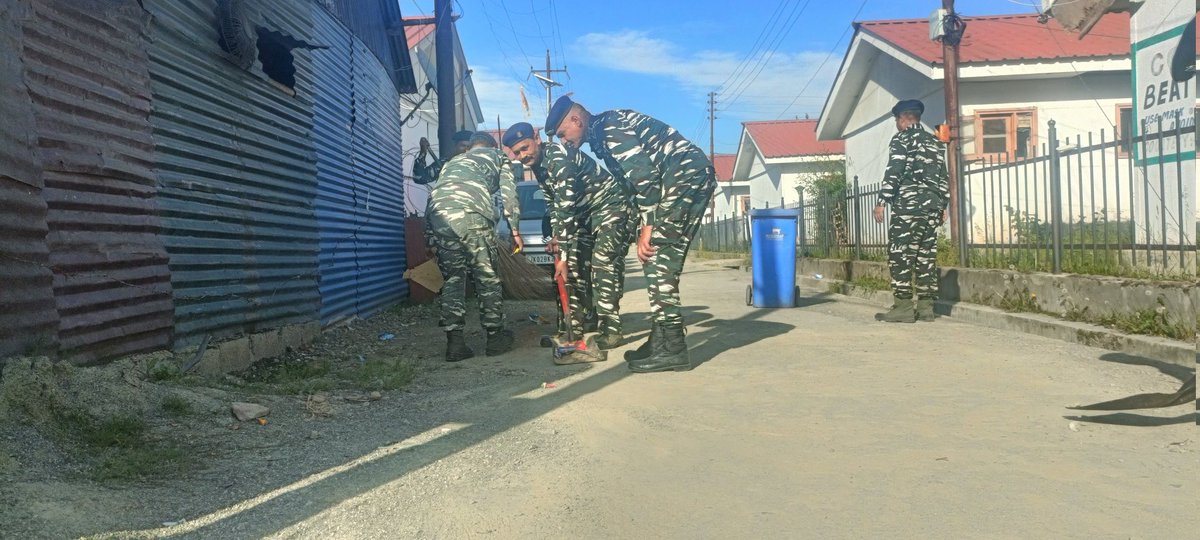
360 200
237 174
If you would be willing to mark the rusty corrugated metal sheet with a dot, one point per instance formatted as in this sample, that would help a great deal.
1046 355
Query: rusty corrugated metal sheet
28 318
377 24
237 174
86 74
360 198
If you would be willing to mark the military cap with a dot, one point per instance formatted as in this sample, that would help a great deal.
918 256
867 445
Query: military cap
557 113
462 136
908 105
484 138
517 133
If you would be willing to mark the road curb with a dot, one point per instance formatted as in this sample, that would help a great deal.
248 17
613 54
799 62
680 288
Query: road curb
1166 350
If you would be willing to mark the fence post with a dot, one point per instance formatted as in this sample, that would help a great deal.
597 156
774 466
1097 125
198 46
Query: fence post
803 228
1055 201
857 223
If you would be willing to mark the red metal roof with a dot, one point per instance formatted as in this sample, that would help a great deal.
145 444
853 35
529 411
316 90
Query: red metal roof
788 138
416 32
723 163
1006 38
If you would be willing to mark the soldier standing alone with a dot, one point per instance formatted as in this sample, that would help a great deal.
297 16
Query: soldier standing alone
672 182
916 186
461 224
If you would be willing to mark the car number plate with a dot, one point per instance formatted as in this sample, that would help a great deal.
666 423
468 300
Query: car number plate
540 258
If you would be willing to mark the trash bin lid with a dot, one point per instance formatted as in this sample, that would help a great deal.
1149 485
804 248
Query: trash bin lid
775 213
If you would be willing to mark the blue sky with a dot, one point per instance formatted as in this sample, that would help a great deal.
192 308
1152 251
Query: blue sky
663 57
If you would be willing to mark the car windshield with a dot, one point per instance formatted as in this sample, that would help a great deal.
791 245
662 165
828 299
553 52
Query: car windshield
533 201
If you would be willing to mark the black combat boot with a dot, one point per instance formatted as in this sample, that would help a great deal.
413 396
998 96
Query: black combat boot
499 341
670 352
925 309
646 349
608 341
903 311
456 347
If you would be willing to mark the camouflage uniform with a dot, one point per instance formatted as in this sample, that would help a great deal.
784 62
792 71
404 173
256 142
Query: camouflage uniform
916 186
589 213
672 182
461 220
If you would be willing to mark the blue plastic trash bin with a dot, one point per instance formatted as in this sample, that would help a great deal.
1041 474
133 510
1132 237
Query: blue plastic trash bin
773 257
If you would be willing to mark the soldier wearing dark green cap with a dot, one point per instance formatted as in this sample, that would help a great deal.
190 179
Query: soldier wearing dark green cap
916 187
428 173
672 182
590 212
461 224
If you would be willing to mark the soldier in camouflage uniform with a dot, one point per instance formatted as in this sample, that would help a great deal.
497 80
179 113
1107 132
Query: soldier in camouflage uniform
423 173
461 225
916 187
672 182
589 219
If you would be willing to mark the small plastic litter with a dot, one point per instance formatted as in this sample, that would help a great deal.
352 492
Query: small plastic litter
819 276
174 523
387 337
534 316
549 385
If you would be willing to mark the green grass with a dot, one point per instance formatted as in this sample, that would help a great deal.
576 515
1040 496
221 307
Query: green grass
301 378
382 374
176 406
163 371
120 446
871 283
1147 322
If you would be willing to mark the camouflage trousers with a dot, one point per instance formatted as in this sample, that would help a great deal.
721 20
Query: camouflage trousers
678 220
466 245
596 270
912 254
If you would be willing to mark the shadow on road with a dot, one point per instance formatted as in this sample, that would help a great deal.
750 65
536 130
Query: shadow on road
1136 420
1185 395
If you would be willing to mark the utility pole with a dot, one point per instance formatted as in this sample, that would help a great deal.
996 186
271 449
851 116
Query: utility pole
953 29
444 51
712 111
712 116
545 77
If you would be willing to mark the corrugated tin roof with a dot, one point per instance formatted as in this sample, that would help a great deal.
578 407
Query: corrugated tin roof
414 33
1008 38
723 163
790 138
378 24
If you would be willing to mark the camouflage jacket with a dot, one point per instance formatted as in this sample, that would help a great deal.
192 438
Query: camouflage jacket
576 188
915 180
656 161
469 182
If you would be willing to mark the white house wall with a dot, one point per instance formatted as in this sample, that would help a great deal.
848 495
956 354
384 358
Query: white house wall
871 127
726 199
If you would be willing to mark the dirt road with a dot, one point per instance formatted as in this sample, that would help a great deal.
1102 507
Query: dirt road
814 422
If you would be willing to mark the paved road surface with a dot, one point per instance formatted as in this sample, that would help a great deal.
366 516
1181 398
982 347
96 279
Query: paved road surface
814 422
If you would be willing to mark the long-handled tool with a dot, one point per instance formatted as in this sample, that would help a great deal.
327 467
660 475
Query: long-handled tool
573 351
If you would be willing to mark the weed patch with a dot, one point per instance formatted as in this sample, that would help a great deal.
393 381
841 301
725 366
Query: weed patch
176 406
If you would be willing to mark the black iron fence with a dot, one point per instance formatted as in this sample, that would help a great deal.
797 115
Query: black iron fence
1092 204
